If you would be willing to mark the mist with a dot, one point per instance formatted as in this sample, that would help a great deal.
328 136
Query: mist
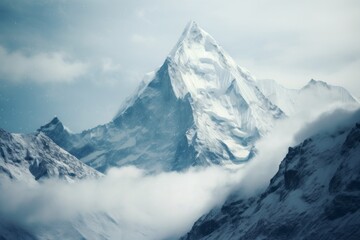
143 206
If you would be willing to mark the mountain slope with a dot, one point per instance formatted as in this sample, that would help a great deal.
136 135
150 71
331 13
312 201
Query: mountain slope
317 94
35 157
314 195
199 108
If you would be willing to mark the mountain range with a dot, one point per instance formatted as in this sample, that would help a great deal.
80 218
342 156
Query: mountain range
198 109
317 94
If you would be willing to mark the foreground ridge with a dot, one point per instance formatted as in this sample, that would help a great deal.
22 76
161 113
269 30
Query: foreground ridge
314 195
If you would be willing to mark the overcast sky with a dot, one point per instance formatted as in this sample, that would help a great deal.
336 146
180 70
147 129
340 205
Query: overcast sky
80 59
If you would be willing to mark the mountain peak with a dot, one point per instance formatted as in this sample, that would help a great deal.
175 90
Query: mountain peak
191 29
56 130
314 82
52 124
55 125
192 25
191 38
55 121
198 63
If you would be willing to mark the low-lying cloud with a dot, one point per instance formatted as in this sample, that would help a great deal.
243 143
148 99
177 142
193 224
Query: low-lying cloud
40 67
143 206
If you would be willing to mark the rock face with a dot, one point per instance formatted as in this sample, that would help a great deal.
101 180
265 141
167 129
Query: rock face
314 195
199 108
35 157
56 131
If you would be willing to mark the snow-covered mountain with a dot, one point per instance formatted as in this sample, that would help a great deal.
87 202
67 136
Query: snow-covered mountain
35 157
314 195
198 108
317 94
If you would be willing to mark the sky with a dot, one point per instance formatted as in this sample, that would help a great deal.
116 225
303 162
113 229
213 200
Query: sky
79 60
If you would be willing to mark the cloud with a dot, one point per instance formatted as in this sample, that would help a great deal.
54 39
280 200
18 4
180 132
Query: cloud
40 67
335 120
143 206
